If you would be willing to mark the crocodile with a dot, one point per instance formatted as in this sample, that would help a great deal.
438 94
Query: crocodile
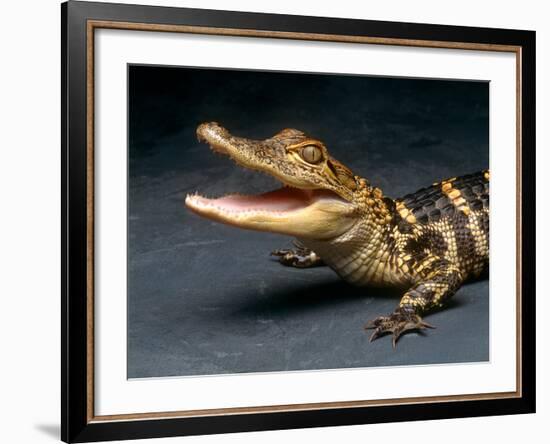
427 243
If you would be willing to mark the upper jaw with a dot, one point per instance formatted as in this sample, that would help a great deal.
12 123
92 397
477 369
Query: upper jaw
216 136
268 156
248 153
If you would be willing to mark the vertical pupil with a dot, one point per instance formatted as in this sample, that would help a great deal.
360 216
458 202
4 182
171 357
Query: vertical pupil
311 154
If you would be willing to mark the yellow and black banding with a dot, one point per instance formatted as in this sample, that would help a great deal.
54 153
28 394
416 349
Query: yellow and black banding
455 196
440 282
449 219
442 200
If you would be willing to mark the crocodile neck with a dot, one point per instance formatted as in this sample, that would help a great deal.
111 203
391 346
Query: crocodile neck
365 253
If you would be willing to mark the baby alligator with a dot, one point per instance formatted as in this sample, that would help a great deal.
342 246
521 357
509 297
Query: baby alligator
427 243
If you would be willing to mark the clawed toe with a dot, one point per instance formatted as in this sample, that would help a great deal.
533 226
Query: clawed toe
280 252
396 324
299 258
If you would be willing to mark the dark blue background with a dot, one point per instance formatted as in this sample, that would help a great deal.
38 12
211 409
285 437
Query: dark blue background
205 298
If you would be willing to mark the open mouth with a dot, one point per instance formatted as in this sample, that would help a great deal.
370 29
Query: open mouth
285 199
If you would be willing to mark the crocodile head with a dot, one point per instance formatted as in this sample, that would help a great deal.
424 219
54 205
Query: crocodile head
317 197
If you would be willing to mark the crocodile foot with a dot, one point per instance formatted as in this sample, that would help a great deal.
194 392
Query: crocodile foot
397 323
301 257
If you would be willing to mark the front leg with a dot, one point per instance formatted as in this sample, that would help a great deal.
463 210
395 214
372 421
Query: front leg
439 281
301 257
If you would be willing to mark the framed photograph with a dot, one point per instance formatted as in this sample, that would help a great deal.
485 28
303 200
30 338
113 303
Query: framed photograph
275 221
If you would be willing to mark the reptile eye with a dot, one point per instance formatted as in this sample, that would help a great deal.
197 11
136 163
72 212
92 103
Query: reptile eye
311 154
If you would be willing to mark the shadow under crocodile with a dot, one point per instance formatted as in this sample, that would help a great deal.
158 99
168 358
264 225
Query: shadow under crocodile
319 296
295 320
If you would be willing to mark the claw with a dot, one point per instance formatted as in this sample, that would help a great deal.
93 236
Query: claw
280 252
375 335
397 324
394 340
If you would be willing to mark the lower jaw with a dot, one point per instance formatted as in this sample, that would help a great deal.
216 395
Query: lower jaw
298 213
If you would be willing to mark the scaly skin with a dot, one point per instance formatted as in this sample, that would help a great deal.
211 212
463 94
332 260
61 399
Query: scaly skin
427 243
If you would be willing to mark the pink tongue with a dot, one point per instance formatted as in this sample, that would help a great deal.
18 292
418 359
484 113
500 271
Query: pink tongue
283 199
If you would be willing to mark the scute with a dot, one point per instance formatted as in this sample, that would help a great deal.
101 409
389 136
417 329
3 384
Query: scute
432 203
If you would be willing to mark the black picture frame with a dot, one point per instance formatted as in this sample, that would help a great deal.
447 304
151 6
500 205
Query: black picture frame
77 424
